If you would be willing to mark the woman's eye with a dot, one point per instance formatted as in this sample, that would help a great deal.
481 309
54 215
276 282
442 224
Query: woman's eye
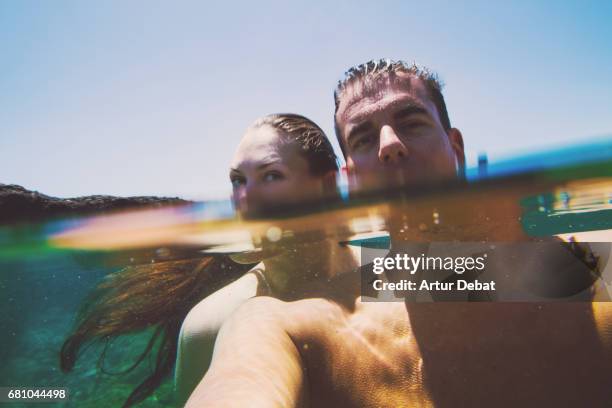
237 181
272 176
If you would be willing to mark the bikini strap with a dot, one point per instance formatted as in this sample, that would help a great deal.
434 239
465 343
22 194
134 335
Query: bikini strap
261 278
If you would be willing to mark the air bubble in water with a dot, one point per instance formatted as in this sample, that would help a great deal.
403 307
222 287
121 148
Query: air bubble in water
162 252
274 234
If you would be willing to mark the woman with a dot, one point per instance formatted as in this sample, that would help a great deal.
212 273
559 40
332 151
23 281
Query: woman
282 159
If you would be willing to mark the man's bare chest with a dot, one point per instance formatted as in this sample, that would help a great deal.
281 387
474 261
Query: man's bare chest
365 358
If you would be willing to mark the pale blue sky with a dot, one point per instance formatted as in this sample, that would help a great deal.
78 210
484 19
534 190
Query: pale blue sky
131 98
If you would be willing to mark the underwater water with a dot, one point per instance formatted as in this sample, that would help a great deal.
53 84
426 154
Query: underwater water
46 271
40 296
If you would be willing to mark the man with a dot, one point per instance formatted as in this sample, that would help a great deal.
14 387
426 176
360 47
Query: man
393 127
335 350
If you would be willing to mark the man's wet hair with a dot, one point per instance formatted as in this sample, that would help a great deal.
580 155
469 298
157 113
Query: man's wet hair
368 74
314 145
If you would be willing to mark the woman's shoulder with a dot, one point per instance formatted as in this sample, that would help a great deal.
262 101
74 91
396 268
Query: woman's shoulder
208 315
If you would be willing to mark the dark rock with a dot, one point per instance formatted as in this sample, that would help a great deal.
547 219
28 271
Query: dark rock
18 204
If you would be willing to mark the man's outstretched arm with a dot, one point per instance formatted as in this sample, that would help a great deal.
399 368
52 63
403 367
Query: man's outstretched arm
255 362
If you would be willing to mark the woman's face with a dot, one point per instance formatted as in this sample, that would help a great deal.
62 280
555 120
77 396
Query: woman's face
266 173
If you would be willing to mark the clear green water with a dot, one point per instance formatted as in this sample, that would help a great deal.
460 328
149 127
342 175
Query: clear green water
39 298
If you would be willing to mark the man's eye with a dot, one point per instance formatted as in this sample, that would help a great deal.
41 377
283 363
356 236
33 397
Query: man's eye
363 141
272 176
237 181
408 126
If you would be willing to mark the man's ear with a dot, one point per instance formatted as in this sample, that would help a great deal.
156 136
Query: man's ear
456 140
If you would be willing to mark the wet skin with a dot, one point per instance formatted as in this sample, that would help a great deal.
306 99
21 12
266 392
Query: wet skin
335 350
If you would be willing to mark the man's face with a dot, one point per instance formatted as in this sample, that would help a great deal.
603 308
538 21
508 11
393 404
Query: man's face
392 135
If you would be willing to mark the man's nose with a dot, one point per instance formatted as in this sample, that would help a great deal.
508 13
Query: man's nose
391 150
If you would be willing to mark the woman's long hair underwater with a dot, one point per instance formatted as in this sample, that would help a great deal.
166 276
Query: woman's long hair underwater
128 301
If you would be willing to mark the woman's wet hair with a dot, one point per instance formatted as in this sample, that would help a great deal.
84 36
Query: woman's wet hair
151 296
314 145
